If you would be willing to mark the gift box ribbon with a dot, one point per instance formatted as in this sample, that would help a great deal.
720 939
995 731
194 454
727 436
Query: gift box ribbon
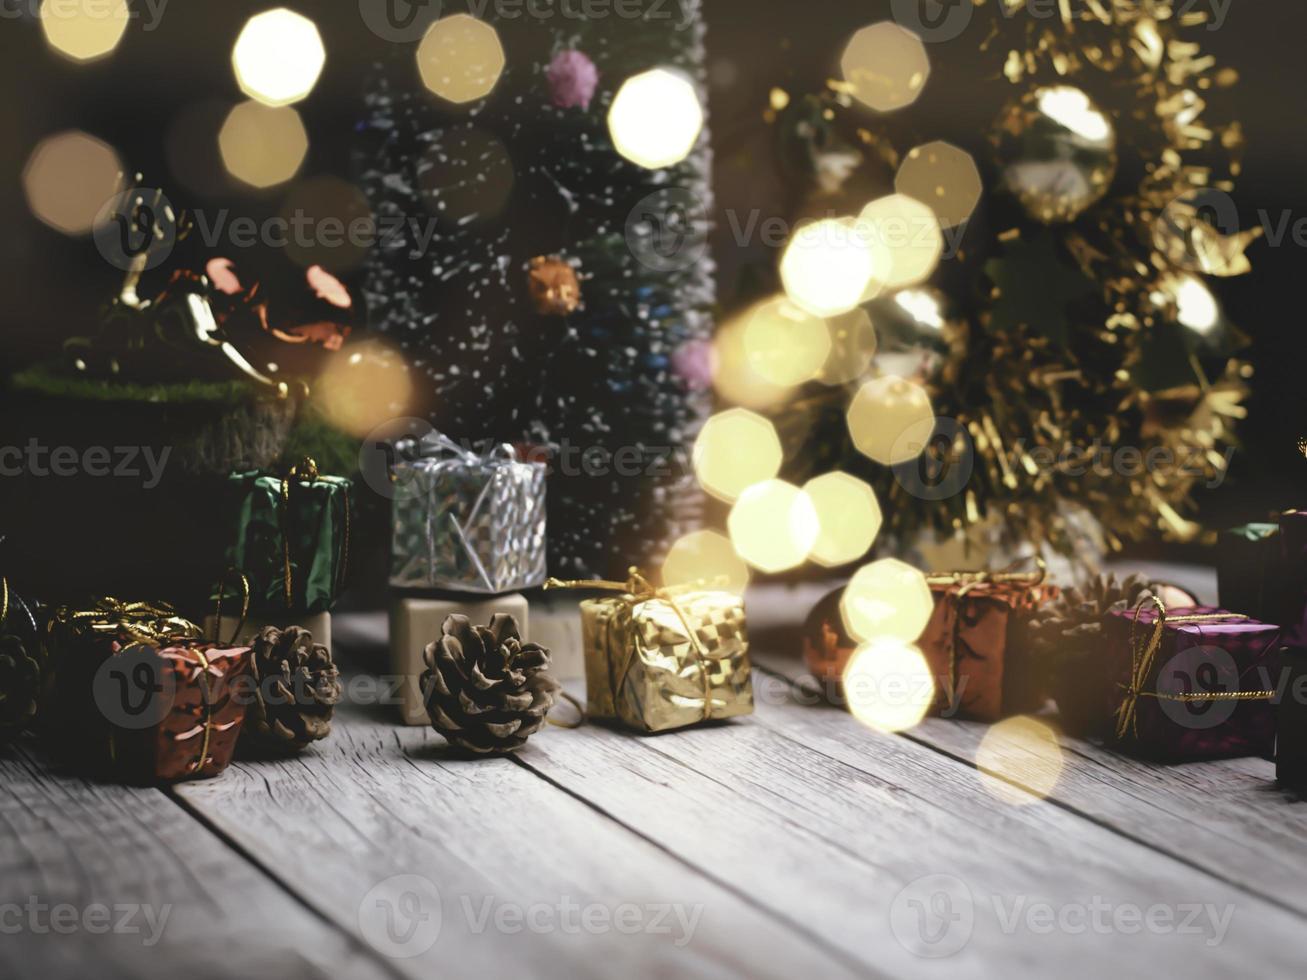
306 471
1005 582
635 590
1144 654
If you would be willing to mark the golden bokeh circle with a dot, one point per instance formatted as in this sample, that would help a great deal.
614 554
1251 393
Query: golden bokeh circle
848 516
882 411
1020 760
736 449
910 234
278 57
888 685
886 66
773 526
786 345
263 145
887 598
460 58
705 557
655 118
84 30
944 177
69 178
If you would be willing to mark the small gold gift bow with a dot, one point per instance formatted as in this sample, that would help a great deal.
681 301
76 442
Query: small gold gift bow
4 604
1143 656
636 589
973 580
245 605
306 470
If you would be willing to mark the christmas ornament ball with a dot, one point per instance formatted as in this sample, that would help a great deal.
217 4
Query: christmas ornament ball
1056 151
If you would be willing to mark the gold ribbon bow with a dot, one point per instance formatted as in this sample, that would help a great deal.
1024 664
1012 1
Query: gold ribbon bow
305 470
245 605
970 581
637 589
1145 653
145 622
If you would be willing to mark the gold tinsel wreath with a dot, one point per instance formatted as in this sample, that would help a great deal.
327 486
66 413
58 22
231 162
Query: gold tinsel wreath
1036 412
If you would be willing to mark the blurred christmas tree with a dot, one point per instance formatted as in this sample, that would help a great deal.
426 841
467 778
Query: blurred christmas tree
549 288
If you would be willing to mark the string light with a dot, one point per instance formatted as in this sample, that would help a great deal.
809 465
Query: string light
786 345
84 30
773 526
885 66
848 516
888 685
262 145
1019 760
460 58
944 177
736 449
705 557
68 178
887 598
655 118
278 57
830 266
891 420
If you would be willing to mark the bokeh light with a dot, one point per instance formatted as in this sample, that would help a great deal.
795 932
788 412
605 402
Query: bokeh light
887 598
364 386
278 57
84 30
655 118
773 526
888 685
1020 760
852 347
736 449
340 214
735 380
886 66
848 516
785 344
831 266
460 58
891 419
705 556
910 234
68 178
944 177
262 145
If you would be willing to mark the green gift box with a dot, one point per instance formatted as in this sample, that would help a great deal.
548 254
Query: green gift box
291 538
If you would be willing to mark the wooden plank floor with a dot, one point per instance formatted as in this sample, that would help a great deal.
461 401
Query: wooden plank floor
794 842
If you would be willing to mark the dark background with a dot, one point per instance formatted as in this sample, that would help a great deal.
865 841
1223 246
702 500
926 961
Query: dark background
51 286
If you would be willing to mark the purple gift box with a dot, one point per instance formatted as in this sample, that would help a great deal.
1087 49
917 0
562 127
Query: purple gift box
1191 684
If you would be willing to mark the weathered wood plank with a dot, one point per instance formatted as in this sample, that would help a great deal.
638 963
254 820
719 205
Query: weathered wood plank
838 831
176 900
378 801
1226 817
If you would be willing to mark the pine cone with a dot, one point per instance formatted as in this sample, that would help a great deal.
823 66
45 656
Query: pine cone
1066 638
20 687
485 689
298 689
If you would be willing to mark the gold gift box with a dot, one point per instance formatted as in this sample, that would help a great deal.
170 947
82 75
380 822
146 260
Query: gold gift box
655 663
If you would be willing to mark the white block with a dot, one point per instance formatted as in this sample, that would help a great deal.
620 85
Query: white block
556 625
319 624
416 622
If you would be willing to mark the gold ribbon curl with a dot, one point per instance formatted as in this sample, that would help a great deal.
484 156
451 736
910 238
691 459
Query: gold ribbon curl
1144 654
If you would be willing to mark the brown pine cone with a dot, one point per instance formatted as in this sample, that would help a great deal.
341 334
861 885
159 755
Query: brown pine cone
1066 637
20 687
485 689
298 690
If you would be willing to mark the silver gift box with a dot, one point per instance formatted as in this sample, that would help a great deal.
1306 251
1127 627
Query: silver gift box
467 522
